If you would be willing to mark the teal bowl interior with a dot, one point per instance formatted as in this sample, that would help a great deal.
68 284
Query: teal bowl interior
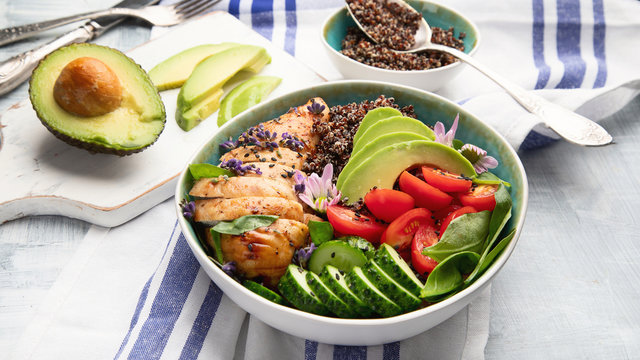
429 109
436 16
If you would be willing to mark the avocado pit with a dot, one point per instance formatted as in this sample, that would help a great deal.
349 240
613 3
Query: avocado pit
87 87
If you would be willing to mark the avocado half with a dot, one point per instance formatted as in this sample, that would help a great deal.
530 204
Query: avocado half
131 127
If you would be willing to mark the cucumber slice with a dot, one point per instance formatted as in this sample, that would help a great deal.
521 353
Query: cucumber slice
366 290
356 241
333 303
293 286
334 279
264 292
394 291
390 261
337 253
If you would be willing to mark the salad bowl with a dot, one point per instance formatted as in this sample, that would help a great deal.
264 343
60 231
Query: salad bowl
335 27
429 108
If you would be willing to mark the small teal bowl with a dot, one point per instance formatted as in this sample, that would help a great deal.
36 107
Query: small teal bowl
437 15
429 108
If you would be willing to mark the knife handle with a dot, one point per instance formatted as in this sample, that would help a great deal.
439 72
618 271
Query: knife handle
14 71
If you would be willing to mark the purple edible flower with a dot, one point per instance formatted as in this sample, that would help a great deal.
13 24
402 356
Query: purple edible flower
445 138
315 108
479 158
299 187
188 208
291 142
229 268
303 255
229 144
319 193
235 165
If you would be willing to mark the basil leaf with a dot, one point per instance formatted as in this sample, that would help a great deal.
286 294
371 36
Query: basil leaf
199 171
244 224
487 178
467 232
488 257
446 277
320 231
215 243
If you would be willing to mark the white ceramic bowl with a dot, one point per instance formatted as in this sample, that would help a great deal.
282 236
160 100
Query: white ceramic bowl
429 107
335 28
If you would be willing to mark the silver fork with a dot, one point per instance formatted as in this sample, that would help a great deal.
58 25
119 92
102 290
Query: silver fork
159 15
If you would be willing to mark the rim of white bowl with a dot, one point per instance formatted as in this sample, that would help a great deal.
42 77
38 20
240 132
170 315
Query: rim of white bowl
196 248
396 72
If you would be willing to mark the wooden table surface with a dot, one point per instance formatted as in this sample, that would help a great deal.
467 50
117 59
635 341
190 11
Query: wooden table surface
570 290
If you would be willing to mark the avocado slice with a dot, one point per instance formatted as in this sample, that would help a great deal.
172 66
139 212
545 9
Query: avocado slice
383 167
174 71
201 89
127 126
373 147
393 124
372 117
246 95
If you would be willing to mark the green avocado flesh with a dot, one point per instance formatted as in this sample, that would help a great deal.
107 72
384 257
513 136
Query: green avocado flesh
373 147
383 167
372 117
246 95
130 128
174 71
393 124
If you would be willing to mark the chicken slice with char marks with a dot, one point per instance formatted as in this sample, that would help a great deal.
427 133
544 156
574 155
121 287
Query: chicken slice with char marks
209 210
240 186
298 121
252 154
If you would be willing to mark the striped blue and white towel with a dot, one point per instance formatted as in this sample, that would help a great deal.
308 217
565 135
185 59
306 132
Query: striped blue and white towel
137 292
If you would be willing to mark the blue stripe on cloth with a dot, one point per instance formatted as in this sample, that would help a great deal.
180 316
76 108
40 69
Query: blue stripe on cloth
598 43
310 350
535 140
292 23
143 297
262 17
202 323
568 44
349 352
175 287
544 71
234 8
391 351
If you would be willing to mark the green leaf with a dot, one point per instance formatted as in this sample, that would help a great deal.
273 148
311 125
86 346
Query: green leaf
216 245
500 215
244 224
465 233
447 276
320 231
487 258
457 144
488 178
199 171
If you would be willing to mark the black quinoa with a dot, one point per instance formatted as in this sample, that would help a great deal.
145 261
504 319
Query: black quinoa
337 133
388 23
358 47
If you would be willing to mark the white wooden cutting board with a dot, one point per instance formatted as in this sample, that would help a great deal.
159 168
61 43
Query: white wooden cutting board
41 175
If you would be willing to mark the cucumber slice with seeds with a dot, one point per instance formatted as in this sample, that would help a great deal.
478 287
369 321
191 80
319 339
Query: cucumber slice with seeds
334 279
293 286
337 253
390 261
394 291
366 290
333 302
264 292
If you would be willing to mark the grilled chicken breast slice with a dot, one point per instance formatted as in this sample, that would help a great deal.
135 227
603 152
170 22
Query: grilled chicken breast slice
230 209
298 121
240 186
252 154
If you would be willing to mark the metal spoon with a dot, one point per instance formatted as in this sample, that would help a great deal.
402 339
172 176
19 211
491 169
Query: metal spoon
569 125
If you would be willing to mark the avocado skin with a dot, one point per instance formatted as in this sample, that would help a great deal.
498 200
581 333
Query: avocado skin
94 147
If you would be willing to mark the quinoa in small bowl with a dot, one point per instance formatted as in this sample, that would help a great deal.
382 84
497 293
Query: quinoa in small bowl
357 57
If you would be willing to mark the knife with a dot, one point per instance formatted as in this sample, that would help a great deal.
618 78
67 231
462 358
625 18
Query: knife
14 71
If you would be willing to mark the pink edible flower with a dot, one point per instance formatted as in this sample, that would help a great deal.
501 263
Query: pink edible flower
441 136
478 157
317 192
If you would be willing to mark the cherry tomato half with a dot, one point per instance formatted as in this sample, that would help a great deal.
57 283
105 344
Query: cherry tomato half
387 204
444 180
345 221
426 196
445 211
481 197
425 236
453 215
400 232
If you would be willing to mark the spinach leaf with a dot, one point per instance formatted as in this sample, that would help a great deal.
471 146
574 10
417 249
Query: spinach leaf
457 144
465 233
199 171
320 231
500 215
488 178
244 224
487 258
446 277
215 243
